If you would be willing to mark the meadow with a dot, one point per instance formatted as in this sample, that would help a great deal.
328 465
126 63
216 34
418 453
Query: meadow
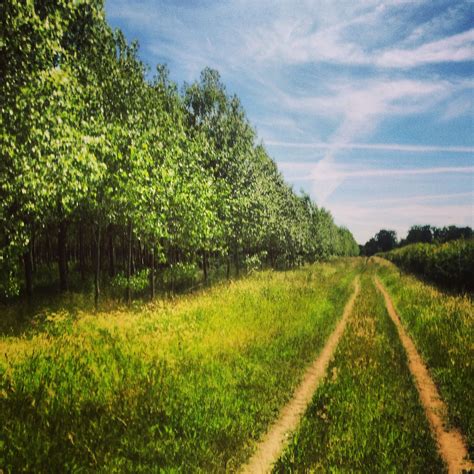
192 382
442 327
182 384
366 416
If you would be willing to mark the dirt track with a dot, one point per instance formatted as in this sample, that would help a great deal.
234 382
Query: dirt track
272 444
451 445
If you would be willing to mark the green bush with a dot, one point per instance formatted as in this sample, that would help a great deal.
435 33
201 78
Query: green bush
450 264
179 276
138 282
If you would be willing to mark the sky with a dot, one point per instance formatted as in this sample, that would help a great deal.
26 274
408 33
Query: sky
366 105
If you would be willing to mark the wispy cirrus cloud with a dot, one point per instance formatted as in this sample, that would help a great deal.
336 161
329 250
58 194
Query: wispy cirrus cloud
456 48
420 198
372 146
311 171
360 108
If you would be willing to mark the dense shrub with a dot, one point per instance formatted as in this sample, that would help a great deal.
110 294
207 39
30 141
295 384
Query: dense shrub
450 264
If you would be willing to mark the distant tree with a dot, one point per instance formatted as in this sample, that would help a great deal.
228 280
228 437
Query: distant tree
383 241
431 234
446 234
386 240
418 233
371 247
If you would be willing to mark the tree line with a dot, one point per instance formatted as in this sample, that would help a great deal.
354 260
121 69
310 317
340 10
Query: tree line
104 171
386 240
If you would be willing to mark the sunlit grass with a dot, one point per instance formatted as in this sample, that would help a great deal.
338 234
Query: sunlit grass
366 416
185 384
442 327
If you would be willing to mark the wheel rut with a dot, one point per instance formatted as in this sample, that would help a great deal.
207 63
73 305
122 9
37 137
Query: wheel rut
451 444
274 441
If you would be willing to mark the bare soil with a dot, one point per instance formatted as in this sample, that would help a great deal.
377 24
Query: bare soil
451 444
272 444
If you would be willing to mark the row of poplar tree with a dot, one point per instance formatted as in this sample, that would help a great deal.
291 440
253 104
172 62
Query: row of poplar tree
103 169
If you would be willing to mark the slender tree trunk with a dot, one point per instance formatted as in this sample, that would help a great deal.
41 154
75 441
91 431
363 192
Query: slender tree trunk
97 269
204 266
28 272
49 250
129 265
237 263
62 255
33 251
152 273
228 266
82 259
172 264
111 251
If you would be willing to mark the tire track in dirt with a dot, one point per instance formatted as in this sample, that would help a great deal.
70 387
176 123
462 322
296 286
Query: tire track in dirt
272 444
451 444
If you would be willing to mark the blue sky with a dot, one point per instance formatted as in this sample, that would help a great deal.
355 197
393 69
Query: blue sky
367 105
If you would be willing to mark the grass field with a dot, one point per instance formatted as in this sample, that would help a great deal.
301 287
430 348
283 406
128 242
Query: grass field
366 416
442 327
192 383
181 384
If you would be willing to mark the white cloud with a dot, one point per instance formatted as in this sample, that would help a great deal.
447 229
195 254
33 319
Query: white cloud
328 170
459 107
454 48
399 147
257 34
418 198
440 25
360 107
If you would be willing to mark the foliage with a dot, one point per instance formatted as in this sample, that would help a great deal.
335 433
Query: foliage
180 275
383 241
138 282
387 240
93 150
450 264
429 234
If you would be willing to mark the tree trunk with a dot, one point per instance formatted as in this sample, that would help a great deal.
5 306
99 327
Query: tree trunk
111 252
28 272
49 250
33 251
62 255
97 269
129 265
204 266
152 274
236 261
228 266
82 259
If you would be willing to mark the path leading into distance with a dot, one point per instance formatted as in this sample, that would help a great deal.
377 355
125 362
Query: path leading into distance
451 445
450 442
276 438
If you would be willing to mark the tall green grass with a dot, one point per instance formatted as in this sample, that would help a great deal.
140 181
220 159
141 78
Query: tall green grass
366 416
187 384
442 327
